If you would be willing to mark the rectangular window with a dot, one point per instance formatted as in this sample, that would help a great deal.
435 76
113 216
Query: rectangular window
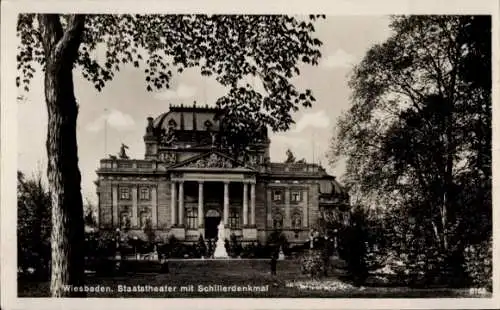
124 193
295 196
192 218
277 195
144 193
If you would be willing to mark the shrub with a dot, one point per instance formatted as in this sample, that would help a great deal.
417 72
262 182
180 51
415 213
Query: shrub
478 264
353 250
257 250
163 250
105 247
275 241
175 249
201 247
210 248
296 250
149 230
249 251
312 263
234 247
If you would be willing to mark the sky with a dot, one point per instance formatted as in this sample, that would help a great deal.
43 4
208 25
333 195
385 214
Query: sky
124 104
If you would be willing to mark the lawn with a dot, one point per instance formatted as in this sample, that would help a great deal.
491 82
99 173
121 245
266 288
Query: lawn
186 277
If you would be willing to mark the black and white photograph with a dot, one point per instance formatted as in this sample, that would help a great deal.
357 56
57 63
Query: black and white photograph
251 155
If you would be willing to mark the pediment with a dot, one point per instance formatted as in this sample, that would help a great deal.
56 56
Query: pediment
210 160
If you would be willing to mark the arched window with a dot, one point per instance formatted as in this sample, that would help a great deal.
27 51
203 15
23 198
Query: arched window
192 218
297 220
278 221
234 220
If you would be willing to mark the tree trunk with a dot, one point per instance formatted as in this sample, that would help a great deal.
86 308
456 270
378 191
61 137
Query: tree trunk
64 179
448 177
61 50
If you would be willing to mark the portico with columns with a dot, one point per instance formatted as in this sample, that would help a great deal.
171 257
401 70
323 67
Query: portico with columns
237 196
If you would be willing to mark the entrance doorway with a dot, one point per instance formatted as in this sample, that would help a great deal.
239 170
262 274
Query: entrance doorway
212 221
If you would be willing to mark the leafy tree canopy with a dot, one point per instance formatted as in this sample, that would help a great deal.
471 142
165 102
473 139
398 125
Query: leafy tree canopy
418 132
229 47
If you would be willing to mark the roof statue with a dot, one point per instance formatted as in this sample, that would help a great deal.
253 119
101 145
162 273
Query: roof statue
123 154
290 158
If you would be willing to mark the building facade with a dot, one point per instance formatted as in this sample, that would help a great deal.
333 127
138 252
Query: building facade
186 185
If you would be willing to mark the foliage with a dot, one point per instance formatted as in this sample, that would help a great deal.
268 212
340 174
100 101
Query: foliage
201 247
417 138
100 246
89 214
478 264
149 231
229 47
234 247
176 249
33 224
249 251
312 263
257 250
277 240
210 247
353 247
269 48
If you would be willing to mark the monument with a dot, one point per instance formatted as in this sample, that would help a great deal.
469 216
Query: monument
281 255
220 249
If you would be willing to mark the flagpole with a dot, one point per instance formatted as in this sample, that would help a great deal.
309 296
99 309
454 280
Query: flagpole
313 148
105 131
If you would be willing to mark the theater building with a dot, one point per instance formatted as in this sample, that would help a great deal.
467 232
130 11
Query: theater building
186 185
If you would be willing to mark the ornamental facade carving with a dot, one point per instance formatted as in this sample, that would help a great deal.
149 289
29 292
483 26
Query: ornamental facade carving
213 161
169 157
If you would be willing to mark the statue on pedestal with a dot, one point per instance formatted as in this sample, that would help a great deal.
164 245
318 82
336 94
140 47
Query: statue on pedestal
220 249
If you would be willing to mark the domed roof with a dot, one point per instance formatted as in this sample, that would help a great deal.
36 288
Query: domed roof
188 118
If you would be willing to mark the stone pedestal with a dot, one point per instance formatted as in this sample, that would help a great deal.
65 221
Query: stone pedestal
201 231
281 255
249 233
178 232
220 249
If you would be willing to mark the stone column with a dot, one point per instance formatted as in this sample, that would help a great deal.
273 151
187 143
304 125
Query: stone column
201 212
269 207
226 203
114 193
287 220
154 207
181 203
134 207
245 204
305 222
252 204
173 202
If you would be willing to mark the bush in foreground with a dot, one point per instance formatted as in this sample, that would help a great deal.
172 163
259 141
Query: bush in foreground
312 263
478 264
